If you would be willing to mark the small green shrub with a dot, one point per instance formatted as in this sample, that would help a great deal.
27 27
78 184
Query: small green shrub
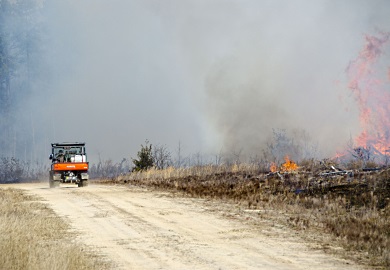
145 158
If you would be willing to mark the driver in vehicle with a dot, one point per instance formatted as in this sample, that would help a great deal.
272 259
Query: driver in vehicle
60 156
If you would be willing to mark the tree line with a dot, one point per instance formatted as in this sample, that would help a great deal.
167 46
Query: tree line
21 37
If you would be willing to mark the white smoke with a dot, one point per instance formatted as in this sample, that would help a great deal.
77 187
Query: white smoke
210 74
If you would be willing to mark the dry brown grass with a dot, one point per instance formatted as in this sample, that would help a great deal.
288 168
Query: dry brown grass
33 237
354 210
198 171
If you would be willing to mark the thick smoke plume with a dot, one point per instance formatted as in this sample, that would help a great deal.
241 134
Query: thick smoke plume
216 76
285 69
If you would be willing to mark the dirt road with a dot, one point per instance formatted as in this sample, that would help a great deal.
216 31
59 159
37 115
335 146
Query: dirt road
141 229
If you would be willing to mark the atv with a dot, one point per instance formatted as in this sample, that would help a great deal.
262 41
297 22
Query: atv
69 164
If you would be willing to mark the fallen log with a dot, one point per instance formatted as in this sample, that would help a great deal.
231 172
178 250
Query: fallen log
372 169
345 172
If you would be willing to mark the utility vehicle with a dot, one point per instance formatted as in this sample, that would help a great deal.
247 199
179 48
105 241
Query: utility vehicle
69 164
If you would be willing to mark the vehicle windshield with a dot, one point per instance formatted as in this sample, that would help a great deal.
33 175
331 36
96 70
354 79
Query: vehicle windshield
68 153
71 150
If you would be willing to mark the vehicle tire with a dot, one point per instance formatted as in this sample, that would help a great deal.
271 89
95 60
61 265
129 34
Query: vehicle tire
83 183
54 184
51 181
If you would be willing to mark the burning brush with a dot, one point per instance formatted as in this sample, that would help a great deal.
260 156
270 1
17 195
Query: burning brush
370 88
286 167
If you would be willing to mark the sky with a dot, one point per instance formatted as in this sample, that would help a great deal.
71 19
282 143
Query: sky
214 76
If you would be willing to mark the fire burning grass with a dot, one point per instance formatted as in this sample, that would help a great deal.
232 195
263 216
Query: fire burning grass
351 206
369 86
288 166
32 237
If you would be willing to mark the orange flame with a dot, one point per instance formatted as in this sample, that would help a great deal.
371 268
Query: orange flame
273 167
289 165
338 155
371 93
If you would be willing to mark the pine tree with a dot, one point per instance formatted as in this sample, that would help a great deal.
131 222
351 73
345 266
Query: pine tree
145 158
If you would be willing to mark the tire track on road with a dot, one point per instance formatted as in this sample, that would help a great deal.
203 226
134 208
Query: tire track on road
139 229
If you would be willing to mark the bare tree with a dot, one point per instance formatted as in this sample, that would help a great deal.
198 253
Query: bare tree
179 160
297 145
20 59
109 169
218 158
162 156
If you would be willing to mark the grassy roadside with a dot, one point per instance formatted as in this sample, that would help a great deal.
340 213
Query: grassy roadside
351 211
33 237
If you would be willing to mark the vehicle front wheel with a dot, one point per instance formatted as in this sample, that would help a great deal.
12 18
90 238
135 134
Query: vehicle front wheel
51 181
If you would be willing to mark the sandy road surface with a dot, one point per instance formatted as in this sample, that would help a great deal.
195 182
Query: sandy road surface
140 229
